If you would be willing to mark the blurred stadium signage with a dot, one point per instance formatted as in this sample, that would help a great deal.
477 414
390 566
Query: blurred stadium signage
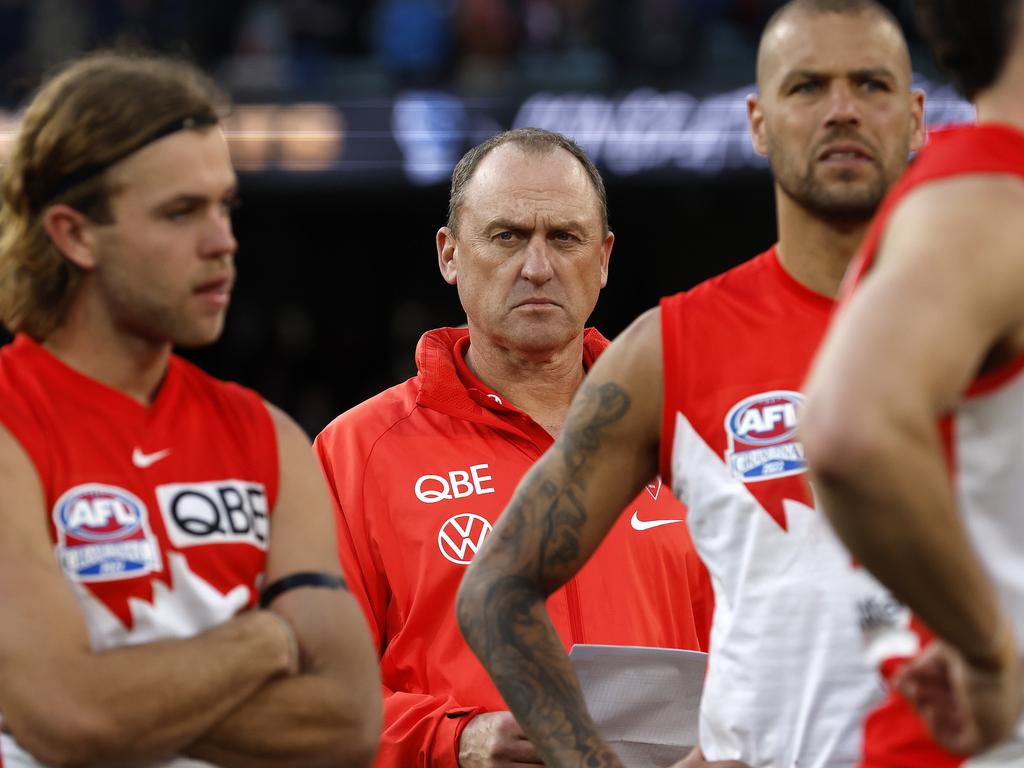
418 136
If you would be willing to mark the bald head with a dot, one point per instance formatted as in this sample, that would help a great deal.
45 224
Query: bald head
784 25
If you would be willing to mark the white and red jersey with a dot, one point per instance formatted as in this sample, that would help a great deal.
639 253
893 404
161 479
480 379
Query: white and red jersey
984 440
159 516
787 683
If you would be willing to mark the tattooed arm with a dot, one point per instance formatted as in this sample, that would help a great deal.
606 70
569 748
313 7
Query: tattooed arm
606 453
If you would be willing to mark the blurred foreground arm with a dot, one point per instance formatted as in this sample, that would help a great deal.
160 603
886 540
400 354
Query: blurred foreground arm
943 301
559 514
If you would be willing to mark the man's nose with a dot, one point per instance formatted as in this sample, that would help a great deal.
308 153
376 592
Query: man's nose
537 267
843 108
219 237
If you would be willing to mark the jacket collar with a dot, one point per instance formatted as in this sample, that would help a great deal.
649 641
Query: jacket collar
446 383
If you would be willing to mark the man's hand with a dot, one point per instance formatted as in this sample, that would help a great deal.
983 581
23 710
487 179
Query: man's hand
495 740
967 709
696 760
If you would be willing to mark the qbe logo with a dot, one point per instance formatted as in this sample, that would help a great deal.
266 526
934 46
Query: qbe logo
221 511
461 537
103 533
761 432
456 484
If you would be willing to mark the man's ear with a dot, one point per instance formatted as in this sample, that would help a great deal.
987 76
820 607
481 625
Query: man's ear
919 136
72 232
755 116
606 256
446 248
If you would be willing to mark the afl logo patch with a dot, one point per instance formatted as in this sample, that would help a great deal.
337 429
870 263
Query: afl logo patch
761 433
103 533
462 536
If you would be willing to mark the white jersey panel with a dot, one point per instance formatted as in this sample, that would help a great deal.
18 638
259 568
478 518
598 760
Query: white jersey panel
989 460
191 607
787 684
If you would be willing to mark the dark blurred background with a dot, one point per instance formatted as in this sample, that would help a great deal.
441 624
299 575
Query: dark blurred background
350 115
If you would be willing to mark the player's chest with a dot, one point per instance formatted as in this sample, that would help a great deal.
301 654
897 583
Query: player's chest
122 497
737 454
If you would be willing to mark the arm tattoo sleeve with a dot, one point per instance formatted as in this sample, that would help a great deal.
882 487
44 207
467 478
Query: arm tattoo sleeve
535 547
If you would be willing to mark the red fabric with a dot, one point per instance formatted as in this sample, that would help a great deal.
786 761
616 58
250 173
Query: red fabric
951 151
79 432
640 588
753 328
894 736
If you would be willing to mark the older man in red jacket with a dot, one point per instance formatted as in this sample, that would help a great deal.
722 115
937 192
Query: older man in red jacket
421 472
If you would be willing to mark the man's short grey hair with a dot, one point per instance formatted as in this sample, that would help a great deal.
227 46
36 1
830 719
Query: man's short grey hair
532 141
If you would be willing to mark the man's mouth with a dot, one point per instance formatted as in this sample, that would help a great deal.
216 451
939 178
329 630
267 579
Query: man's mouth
217 290
845 153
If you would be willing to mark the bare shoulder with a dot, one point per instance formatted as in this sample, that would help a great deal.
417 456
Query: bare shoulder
952 250
289 433
623 390
646 329
302 536
32 589
23 491
300 476
978 215
636 352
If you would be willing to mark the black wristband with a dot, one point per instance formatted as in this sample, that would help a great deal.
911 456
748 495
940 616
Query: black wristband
301 579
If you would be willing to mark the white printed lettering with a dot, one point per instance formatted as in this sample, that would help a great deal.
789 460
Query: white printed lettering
479 479
461 487
432 495
81 514
213 512
751 422
459 484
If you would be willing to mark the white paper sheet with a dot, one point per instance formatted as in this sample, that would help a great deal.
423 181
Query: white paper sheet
644 700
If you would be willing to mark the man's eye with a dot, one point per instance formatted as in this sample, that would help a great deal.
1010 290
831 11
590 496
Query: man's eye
506 236
177 214
807 86
564 237
874 85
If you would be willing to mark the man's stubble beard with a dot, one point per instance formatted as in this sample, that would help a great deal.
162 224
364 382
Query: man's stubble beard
835 200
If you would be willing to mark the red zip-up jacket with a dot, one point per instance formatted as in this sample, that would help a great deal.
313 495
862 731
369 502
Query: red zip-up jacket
419 474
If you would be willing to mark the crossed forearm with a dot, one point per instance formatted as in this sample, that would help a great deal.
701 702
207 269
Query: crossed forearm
289 722
318 717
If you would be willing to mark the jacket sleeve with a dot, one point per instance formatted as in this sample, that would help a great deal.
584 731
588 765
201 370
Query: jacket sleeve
420 730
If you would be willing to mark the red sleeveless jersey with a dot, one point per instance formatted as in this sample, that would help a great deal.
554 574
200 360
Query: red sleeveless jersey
160 515
786 682
987 467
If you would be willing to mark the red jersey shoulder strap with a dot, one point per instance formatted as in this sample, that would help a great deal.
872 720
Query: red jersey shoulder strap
952 151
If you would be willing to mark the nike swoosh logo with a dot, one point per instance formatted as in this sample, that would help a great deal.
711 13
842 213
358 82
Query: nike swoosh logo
143 460
643 525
